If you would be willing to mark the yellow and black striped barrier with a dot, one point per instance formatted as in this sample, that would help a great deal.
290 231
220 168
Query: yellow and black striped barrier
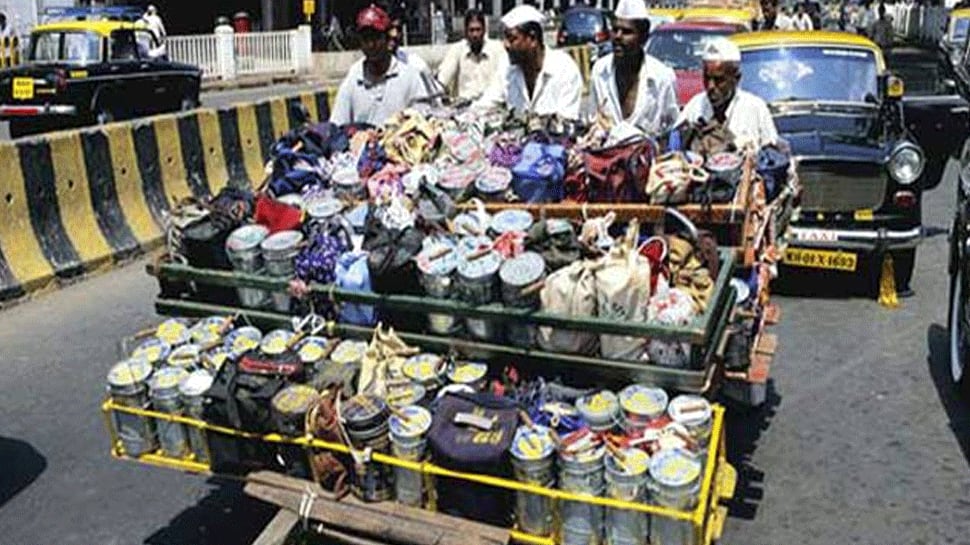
581 54
77 201
9 51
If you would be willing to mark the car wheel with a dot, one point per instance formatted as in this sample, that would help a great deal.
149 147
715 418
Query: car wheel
904 261
959 342
189 104
19 128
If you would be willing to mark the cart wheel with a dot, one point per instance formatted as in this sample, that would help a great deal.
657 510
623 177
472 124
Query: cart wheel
959 341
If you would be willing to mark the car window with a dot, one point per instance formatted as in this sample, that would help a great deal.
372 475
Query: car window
82 47
811 73
960 28
586 23
146 42
681 49
46 47
123 45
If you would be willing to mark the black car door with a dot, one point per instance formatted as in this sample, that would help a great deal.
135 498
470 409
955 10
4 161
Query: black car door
132 90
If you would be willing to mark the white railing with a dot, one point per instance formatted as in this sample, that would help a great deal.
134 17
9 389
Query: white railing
201 50
226 55
915 23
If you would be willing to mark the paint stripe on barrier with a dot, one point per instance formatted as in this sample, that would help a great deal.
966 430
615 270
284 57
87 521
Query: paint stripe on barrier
232 148
324 104
309 101
21 250
193 154
43 209
128 185
253 158
264 123
213 157
171 162
149 169
281 124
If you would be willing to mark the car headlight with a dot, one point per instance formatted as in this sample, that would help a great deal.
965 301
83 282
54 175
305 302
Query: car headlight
906 164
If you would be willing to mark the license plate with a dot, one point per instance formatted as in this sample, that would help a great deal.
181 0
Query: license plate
815 235
23 88
821 259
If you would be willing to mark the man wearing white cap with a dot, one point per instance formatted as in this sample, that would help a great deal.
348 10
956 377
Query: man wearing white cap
629 86
537 81
745 115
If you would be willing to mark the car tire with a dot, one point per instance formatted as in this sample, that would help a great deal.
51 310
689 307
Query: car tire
904 262
21 127
188 104
957 326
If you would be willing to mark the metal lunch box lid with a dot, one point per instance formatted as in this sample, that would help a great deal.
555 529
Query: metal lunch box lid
244 339
282 241
247 237
675 468
456 177
523 270
323 208
690 410
416 422
346 177
293 199
532 443
274 343
494 180
723 162
481 268
423 368
742 289
364 411
129 372
174 331
599 407
165 381
470 224
643 400
442 264
153 351
558 226
206 330
467 372
186 355
348 352
511 220
635 462
196 383
406 394
295 399
471 244
217 357
312 349
590 455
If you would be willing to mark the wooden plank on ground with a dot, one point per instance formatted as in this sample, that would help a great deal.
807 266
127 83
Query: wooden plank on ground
278 529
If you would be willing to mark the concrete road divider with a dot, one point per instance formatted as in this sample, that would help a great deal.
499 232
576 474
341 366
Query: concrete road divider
75 202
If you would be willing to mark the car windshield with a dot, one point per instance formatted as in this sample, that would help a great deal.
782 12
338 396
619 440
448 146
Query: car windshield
583 23
681 49
835 74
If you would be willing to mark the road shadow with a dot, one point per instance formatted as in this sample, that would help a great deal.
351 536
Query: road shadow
743 428
798 282
957 408
226 516
21 463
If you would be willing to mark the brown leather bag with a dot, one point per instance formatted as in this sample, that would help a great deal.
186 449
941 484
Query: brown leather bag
329 468
619 173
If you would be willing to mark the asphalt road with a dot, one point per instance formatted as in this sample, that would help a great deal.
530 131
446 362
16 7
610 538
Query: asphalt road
218 99
862 440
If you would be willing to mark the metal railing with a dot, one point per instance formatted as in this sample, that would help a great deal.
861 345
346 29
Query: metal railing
921 24
264 52
201 51
226 55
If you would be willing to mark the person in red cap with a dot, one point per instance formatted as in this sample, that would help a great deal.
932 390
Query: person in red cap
379 85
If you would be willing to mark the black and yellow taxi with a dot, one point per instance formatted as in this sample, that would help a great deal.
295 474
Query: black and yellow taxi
862 168
93 71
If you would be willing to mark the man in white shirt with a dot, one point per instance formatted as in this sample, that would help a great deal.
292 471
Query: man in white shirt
745 115
773 18
154 23
538 81
629 86
803 21
379 85
474 63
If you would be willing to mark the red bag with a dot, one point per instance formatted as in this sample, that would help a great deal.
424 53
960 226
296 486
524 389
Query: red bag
277 216
619 173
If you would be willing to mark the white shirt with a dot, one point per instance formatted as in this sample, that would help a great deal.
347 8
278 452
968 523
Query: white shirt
803 22
558 88
414 60
747 117
656 104
155 24
359 101
472 74
784 22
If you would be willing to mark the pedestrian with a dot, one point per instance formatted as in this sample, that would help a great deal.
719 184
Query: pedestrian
772 18
539 80
745 115
379 85
154 23
395 37
803 21
630 86
438 29
473 64
882 29
5 31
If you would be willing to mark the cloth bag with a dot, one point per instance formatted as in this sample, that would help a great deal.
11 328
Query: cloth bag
571 292
619 173
353 275
622 294
672 177
538 176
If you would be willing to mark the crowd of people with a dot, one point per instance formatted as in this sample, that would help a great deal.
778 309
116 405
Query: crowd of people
628 87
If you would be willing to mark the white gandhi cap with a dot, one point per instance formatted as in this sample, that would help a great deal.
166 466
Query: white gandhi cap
631 9
521 15
721 50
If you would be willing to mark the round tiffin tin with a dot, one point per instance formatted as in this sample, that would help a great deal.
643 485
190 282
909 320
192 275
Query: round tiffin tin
244 339
274 343
153 351
511 220
174 331
348 352
532 443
